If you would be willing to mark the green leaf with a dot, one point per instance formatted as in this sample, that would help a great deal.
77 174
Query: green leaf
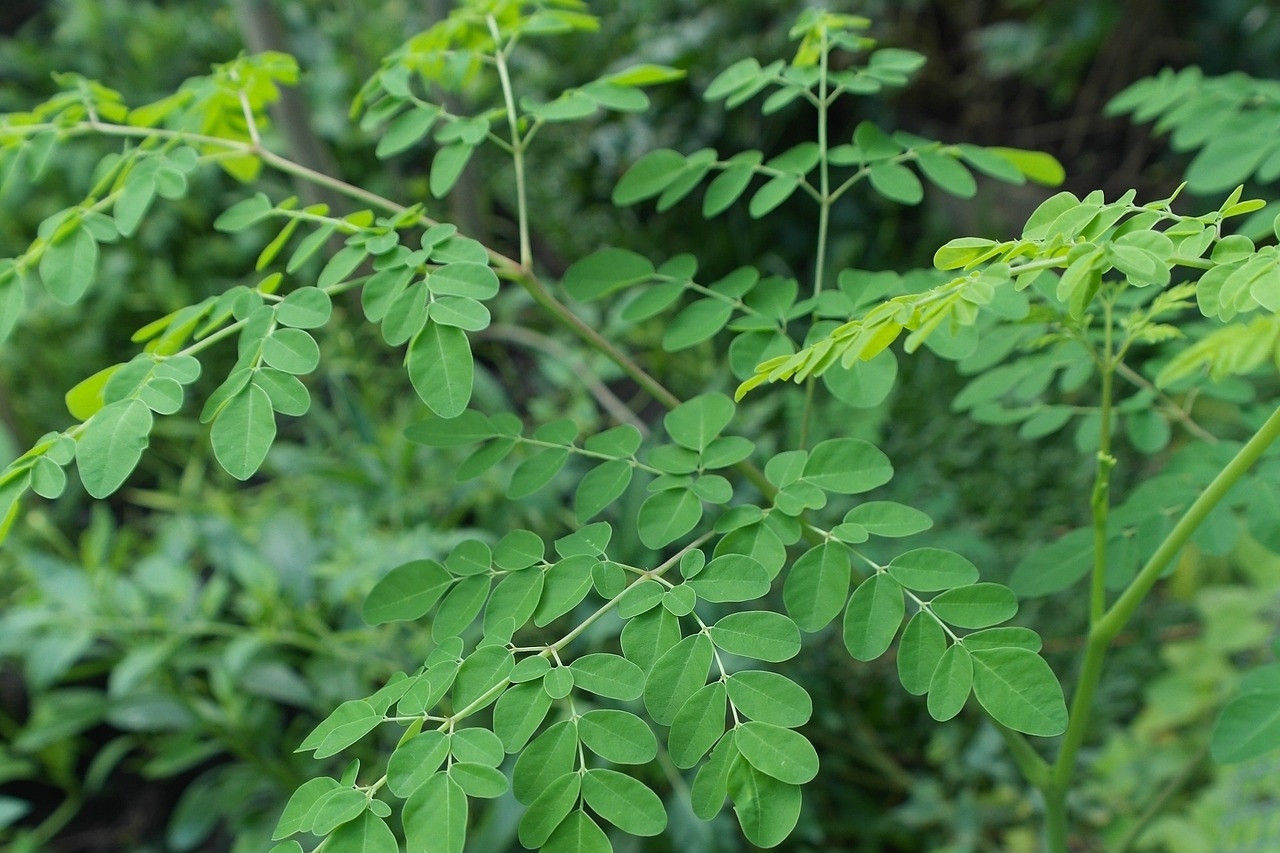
757 634
368 833
648 176
932 569
1017 688
639 598
471 279
546 759
518 714
990 163
817 586
1249 725
999 638
467 428
625 802
979 605
460 607
336 808
645 74
291 350
1037 166
711 783
676 676
162 396
737 76
621 441
441 369
619 737
87 397
782 753
478 780
294 817
435 816
886 518
578 834
646 637
415 761
731 577
307 249
518 550
406 129
874 615
697 422
588 541
405 593
536 471
549 810
349 722
774 192
951 682
895 182
516 598
286 392
666 516
469 557
111 444
600 487
769 698
447 166
605 272
919 651
697 322
725 189
1055 566
306 308
67 266
12 299
607 675
460 311
847 466
429 687
558 683
697 725
244 214
767 808
486 668
243 432
567 583
947 173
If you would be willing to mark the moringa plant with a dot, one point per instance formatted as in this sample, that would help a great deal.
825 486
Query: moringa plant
696 550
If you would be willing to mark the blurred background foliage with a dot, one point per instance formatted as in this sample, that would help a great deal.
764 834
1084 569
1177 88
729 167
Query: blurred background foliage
163 651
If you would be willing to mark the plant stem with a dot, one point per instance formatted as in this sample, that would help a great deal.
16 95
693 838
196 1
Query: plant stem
1100 501
1122 610
824 217
517 145
824 187
1113 620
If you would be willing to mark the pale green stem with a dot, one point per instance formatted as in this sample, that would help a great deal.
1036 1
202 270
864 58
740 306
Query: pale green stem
1113 621
824 218
517 146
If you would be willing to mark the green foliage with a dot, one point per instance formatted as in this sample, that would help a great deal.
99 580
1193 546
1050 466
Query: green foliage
586 643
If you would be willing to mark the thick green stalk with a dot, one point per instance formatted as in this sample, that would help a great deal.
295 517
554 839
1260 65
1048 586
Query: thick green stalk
1115 619
1105 629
